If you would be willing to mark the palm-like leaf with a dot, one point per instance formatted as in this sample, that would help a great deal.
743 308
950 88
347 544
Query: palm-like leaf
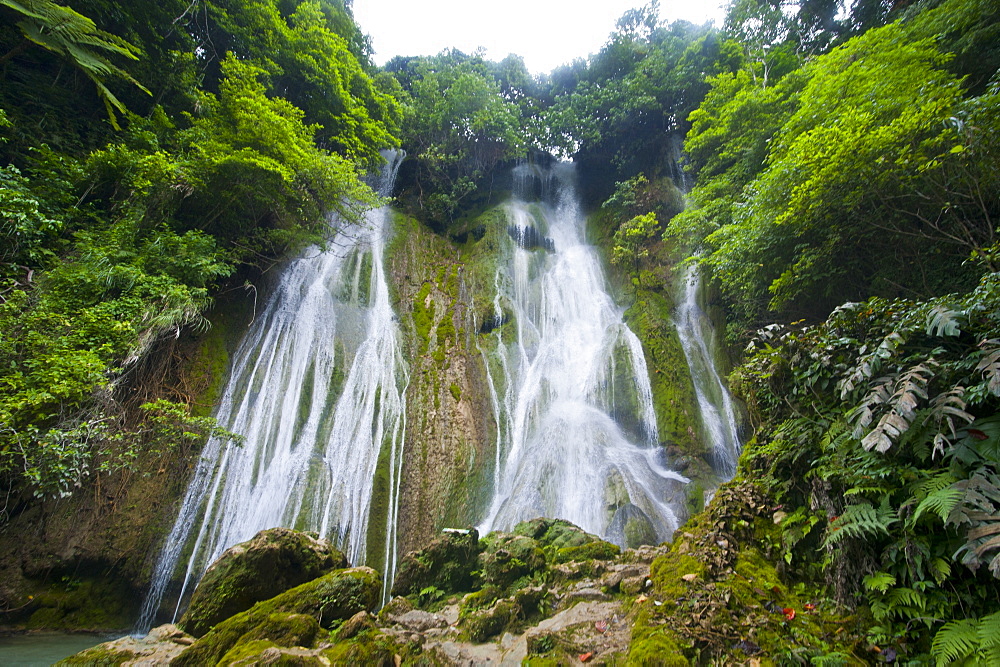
72 35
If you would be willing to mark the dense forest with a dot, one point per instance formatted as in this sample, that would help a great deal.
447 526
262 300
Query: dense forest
833 172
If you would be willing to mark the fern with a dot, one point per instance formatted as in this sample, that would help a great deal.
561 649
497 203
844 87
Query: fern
978 639
937 495
74 36
880 581
860 520
980 510
902 407
946 407
989 365
955 640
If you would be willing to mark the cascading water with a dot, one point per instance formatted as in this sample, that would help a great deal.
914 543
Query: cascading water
718 414
317 390
577 435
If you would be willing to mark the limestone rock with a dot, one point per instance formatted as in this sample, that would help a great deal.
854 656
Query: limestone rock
446 563
336 596
159 647
272 562
420 621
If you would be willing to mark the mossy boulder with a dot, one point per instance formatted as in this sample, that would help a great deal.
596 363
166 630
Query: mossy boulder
596 550
447 563
336 596
555 533
270 563
482 625
507 558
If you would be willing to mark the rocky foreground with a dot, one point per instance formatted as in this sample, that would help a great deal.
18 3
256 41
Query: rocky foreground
547 592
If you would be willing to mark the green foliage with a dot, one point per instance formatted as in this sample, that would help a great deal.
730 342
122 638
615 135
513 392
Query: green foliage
970 641
621 113
884 415
112 246
850 176
631 239
458 126
63 31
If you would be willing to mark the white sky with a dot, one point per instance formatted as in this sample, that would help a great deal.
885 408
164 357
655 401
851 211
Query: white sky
546 33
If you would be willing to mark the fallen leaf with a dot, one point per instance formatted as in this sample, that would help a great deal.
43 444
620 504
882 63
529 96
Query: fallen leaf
641 598
584 657
690 577
602 626
788 612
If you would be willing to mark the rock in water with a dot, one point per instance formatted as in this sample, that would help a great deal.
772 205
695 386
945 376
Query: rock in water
270 563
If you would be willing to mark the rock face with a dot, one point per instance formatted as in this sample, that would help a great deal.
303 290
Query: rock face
272 562
547 589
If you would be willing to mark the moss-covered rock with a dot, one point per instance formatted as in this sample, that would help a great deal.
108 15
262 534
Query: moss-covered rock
555 533
447 563
507 558
161 645
597 550
482 625
334 597
270 563
370 648
720 574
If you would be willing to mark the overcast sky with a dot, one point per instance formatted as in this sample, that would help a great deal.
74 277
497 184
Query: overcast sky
547 33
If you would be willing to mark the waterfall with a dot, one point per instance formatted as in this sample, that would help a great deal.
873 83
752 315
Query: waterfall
715 403
577 434
317 390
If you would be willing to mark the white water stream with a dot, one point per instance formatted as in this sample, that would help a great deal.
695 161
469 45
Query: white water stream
317 390
718 415
577 435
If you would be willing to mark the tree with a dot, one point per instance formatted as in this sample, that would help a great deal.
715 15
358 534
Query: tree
459 125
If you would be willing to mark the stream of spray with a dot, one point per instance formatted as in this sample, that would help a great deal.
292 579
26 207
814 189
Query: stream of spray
715 403
576 428
317 390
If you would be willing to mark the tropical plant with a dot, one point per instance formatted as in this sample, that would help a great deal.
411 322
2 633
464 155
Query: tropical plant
63 31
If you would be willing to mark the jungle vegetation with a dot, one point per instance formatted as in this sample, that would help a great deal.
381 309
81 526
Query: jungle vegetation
842 188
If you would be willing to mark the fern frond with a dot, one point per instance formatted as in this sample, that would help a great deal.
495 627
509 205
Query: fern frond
902 405
980 509
989 365
938 495
989 631
858 521
880 581
955 640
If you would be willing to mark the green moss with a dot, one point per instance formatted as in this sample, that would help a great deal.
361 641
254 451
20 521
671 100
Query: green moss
674 397
369 648
270 563
331 598
83 604
655 646
599 550
423 316
447 563
456 391
482 625
247 651
99 656
285 630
